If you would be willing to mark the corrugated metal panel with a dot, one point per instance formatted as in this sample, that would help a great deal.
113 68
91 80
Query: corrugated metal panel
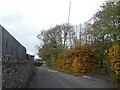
10 46
0 41
0 57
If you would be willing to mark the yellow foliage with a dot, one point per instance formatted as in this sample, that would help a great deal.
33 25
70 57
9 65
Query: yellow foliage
75 65
79 59
114 55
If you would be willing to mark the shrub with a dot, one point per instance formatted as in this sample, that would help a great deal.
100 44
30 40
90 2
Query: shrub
37 64
114 55
81 59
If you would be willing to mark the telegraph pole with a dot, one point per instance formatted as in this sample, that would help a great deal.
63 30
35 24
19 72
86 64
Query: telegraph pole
69 12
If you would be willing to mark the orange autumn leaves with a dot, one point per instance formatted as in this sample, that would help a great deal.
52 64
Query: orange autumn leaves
82 58
79 59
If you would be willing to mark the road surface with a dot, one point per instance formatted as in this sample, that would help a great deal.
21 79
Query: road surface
47 78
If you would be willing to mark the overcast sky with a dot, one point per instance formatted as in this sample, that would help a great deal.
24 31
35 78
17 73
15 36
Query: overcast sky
24 19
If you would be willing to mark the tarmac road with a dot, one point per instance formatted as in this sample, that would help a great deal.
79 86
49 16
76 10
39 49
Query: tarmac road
47 78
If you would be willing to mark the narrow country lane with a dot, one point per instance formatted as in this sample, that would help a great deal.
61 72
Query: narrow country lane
46 78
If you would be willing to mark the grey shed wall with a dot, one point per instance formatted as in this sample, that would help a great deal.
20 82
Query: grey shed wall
0 57
11 47
0 41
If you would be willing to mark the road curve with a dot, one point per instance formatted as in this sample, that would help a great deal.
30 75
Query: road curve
46 78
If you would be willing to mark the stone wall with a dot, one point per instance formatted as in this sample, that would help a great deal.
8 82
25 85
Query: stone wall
16 73
16 66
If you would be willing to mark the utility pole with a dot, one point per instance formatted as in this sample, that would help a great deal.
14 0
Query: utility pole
69 12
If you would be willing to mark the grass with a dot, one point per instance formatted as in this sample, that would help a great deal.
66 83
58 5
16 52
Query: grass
99 70
35 69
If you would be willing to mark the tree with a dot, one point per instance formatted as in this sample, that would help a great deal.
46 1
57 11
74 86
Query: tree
55 40
102 29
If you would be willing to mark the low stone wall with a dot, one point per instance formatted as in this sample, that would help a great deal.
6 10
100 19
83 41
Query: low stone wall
16 73
0 74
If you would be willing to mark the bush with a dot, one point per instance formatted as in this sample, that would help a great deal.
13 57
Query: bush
114 55
37 64
81 59
99 71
